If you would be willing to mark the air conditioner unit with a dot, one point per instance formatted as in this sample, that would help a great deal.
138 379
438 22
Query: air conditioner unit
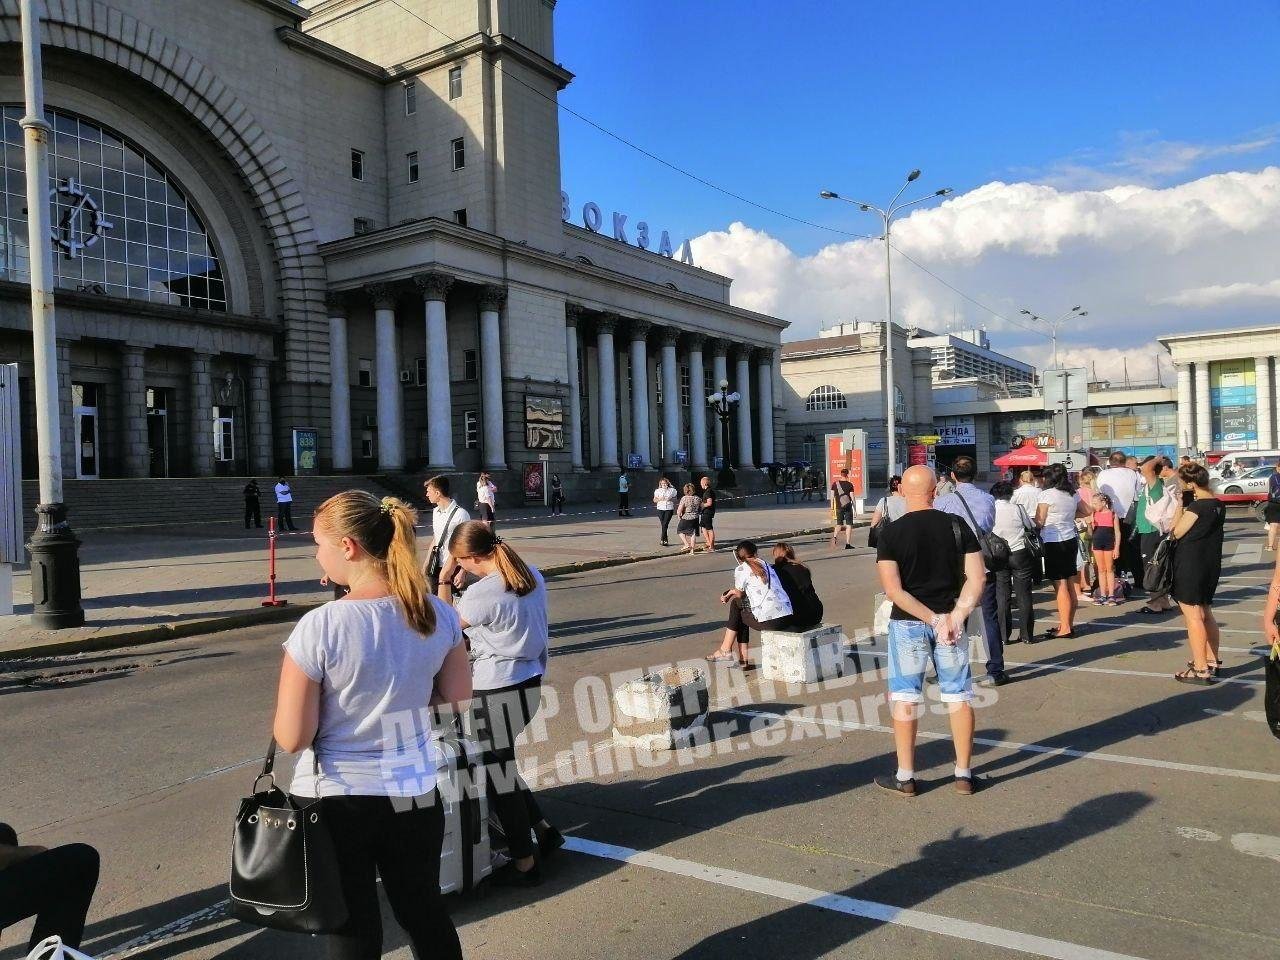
370 420
405 376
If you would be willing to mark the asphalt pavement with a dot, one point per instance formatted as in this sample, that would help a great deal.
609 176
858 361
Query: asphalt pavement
1122 814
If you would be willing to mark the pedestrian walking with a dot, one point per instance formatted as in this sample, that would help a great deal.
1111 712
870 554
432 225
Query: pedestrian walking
707 515
557 496
442 573
756 600
284 505
1271 512
842 508
1122 483
688 508
1197 567
504 614
664 499
931 569
353 669
54 885
1106 550
1056 516
1014 582
797 581
1158 504
977 509
486 505
252 505
624 494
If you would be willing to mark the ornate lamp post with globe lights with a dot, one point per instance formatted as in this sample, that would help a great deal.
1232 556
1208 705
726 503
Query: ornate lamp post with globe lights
722 403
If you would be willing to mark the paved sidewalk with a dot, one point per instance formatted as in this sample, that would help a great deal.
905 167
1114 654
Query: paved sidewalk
164 582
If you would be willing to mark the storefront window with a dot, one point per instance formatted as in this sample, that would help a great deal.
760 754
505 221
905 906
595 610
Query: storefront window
120 224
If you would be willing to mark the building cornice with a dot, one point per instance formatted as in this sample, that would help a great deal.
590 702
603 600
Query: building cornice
408 232
12 290
282 8
1262 330
482 43
305 43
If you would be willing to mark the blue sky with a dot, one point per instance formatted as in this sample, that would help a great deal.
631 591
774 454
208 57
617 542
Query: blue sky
1057 101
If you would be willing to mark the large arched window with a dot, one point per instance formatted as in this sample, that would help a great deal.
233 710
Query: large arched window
826 397
120 224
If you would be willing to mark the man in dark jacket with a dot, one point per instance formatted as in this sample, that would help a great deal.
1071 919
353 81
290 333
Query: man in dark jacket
252 505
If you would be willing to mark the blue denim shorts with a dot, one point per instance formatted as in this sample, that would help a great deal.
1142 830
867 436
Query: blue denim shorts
911 645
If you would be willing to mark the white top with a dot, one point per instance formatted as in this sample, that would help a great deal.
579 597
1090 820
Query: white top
283 493
1027 496
1010 525
376 676
440 533
1122 485
508 633
1060 521
485 492
666 497
624 484
768 601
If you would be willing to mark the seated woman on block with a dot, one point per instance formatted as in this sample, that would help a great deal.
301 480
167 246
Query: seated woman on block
757 599
797 581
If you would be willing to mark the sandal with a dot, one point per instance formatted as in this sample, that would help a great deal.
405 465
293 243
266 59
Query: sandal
1213 665
1150 611
721 658
1203 678
1053 634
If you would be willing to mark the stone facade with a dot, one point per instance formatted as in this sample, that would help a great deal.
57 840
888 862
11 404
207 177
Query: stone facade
380 187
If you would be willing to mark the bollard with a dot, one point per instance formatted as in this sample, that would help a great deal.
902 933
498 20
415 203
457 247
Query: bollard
272 600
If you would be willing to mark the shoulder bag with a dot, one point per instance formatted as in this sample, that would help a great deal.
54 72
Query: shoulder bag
284 871
1158 577
995 548
435 564
1031 534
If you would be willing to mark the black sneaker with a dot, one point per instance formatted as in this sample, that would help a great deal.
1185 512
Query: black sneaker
509 876
998 679
549 841
904 788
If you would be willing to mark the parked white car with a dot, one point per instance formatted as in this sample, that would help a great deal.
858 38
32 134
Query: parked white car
1253 482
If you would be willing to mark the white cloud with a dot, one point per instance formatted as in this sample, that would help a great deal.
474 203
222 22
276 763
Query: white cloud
1143 261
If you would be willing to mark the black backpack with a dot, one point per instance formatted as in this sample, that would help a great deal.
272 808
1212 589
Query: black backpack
995 548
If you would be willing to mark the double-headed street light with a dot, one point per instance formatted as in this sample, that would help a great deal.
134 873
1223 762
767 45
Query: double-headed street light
1073 313
722 403
887 216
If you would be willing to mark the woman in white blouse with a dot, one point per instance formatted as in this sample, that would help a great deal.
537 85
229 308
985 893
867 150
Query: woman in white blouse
664 498
486 500
757 600
1056 516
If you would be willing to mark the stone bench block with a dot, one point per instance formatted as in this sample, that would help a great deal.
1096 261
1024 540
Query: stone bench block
661 711
817 654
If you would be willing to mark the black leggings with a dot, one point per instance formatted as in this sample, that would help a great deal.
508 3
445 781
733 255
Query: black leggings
500 715
372 838
741 621
55 887
664 518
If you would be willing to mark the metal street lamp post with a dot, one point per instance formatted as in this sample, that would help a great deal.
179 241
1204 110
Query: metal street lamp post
722 403
887 216
55 565
1073 313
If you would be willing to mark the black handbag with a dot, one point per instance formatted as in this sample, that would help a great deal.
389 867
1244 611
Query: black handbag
284 871
1271 695
1031 535
995 548
435 565
1158 577
877 528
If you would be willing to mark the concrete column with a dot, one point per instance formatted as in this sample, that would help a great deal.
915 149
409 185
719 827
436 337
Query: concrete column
572 313
494 433
133 410
640 390
66 413
764 405
719 373
1262 387
697 404
672 422
261 460
201 415
1203 408
742 384
435 289
608 367
339 382
386 369
1186 408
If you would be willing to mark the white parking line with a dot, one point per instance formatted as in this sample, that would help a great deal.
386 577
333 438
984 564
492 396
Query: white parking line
850 906
1173 625
1027 747
1125 673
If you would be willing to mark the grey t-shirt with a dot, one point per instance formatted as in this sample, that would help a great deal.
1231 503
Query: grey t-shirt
376 676
508 633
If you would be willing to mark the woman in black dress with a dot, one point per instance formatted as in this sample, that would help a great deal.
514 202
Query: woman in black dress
1197 565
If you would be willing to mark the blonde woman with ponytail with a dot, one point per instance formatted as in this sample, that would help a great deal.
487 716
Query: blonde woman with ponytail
358 676
505 616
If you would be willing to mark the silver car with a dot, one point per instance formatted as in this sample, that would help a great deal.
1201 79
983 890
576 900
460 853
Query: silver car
1250 482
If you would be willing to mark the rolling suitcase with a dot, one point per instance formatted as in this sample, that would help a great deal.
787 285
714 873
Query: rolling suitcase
466 857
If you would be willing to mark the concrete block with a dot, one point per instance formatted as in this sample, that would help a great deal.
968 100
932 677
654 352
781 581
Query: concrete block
661 711
817 654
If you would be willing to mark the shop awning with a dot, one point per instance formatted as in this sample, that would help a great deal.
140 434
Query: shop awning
1027 455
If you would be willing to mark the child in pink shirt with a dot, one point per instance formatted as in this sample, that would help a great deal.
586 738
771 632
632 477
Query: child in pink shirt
1106 548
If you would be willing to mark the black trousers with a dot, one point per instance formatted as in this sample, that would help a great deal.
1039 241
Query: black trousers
624 503
500 716
373 839
55 887
284 516
664 518
557 501
1015 581
252 512
742 621
1130 553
